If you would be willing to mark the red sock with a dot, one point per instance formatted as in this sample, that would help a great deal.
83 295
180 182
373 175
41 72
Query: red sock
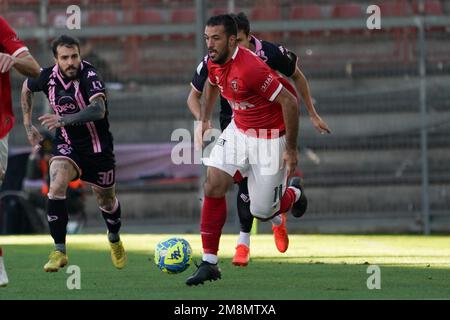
214 214
287 201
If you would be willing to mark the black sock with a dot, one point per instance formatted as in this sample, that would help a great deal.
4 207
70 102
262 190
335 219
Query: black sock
57 217
113 222
243 206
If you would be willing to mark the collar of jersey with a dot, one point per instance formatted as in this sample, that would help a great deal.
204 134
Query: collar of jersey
256 42
235 53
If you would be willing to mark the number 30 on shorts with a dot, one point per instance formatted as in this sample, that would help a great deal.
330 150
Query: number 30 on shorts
106 178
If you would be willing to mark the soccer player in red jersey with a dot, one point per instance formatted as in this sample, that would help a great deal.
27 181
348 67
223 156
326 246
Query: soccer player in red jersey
13 53
260 143
284 61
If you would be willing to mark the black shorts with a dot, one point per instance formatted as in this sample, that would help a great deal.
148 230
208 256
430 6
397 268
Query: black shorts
98 169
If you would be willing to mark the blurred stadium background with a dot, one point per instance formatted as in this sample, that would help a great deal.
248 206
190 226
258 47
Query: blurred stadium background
384 93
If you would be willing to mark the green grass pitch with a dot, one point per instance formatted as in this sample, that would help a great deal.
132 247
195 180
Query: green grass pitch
314 267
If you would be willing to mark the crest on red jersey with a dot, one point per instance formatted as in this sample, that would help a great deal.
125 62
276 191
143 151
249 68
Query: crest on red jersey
234 85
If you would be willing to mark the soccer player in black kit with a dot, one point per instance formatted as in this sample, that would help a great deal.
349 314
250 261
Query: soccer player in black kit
283 61
82 146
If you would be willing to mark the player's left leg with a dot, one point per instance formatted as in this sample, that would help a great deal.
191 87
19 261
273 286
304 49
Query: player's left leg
111 212
3 163
3 158
242 254
267 182
3 275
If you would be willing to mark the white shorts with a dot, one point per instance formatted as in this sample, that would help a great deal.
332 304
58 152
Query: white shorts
3 157
258 159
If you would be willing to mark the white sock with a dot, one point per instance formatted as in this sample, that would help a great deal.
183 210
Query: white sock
244 238
211 258
276 221
298 193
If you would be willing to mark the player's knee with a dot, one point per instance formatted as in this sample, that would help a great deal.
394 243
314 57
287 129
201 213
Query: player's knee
107 203
57 191
214 188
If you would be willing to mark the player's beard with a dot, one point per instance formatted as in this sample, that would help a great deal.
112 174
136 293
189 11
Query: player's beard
71 76
222 57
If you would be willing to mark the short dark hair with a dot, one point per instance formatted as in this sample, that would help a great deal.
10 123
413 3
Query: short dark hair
225 20
66 41
242 22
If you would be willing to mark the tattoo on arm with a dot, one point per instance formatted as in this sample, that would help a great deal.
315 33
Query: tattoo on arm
27 107
95 111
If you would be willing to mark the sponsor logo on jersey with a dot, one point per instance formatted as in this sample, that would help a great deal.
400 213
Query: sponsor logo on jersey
64 149
267 83
66 105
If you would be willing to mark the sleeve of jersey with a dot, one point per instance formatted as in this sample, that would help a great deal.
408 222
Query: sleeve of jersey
36 84
200 77
286 61
264 83
92 84
9 40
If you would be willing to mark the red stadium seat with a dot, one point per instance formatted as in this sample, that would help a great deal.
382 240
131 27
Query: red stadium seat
57 19
186 15
23 2
217 11
103 17
265 14
25 19
347 10
147 16
431 7
394 8
307 11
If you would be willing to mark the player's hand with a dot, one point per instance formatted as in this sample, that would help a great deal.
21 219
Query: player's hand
200 130
320 125
51 121
290 157
34 137
6 62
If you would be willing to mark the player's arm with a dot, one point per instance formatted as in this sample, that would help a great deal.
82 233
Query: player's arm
95 111
27 65
24 63
194 103
197 84
211 94
302 86
26 100
291 121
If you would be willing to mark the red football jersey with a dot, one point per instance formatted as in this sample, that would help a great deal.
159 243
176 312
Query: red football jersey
10 44
250 86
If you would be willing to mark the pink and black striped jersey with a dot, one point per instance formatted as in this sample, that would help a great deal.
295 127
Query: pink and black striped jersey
71 96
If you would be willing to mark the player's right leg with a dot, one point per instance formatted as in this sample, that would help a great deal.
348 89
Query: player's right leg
242 254
62 171
213 218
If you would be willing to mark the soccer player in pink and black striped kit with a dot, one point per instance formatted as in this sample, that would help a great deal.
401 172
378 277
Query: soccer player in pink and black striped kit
260 143
13 53
82 146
